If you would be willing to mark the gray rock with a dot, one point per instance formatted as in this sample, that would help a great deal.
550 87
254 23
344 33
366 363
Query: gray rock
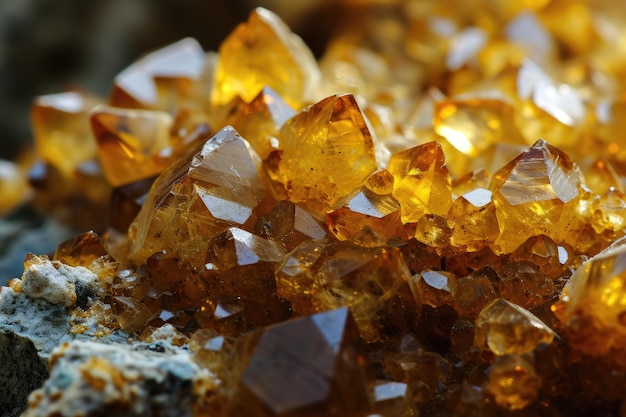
21 372
141 379
43 323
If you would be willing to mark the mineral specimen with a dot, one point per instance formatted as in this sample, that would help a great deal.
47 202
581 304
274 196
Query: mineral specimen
428 221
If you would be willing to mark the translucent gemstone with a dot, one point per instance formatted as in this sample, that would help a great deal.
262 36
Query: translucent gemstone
287 224
593 305
505 328
260 120
513 382
239 247
475 291
552 259
215 186
608 213
472 180
14 187
264 52
421 182
132 144
432 230
393 399
527 31
137 85
81 250
316 147
131 314
126 202
211 350
524 284
334 382
222 314
371 281
531 194
464 46
367 219
61 128
434 288
601 176
471 125
473 220
549 109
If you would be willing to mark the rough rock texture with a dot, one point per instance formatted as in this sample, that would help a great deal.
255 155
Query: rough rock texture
43 323
56 282
94 379
21 371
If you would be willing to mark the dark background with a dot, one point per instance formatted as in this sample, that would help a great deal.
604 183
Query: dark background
47 46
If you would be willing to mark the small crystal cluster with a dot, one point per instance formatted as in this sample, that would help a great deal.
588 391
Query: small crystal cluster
428 221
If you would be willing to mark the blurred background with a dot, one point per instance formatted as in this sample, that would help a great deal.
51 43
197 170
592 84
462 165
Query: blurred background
49 46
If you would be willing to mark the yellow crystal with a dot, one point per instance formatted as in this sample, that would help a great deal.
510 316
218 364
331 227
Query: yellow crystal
422 183
264 52
133 144
62 132
505 328
316 148
531 194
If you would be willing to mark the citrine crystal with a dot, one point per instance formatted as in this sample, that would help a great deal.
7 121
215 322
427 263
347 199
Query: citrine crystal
531 194
212 188
506 328
313 366
331 135
264 52
260 120
133 144
62 132
13 186
593 304
372 282
421 182
513 382
142 85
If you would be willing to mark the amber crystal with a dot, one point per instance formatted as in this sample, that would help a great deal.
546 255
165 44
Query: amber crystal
473 220
316 146
421 182
372 282
264 52
593 304
13 186
513 382
62 132
215 186
144 84
532 194
260 120
312 366
506 328
133 144
81 250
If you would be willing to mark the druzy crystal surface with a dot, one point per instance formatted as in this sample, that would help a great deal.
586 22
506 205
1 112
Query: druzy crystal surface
429 220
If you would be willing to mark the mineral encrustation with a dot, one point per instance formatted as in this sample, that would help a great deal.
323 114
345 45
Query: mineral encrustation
429 221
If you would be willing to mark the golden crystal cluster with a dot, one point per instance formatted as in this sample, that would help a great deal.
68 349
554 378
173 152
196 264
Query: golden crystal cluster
429 220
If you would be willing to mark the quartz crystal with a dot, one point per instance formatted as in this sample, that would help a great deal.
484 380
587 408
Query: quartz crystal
506 328
313 366
332 134
264 52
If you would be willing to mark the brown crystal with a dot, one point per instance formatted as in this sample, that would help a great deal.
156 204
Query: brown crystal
312 366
